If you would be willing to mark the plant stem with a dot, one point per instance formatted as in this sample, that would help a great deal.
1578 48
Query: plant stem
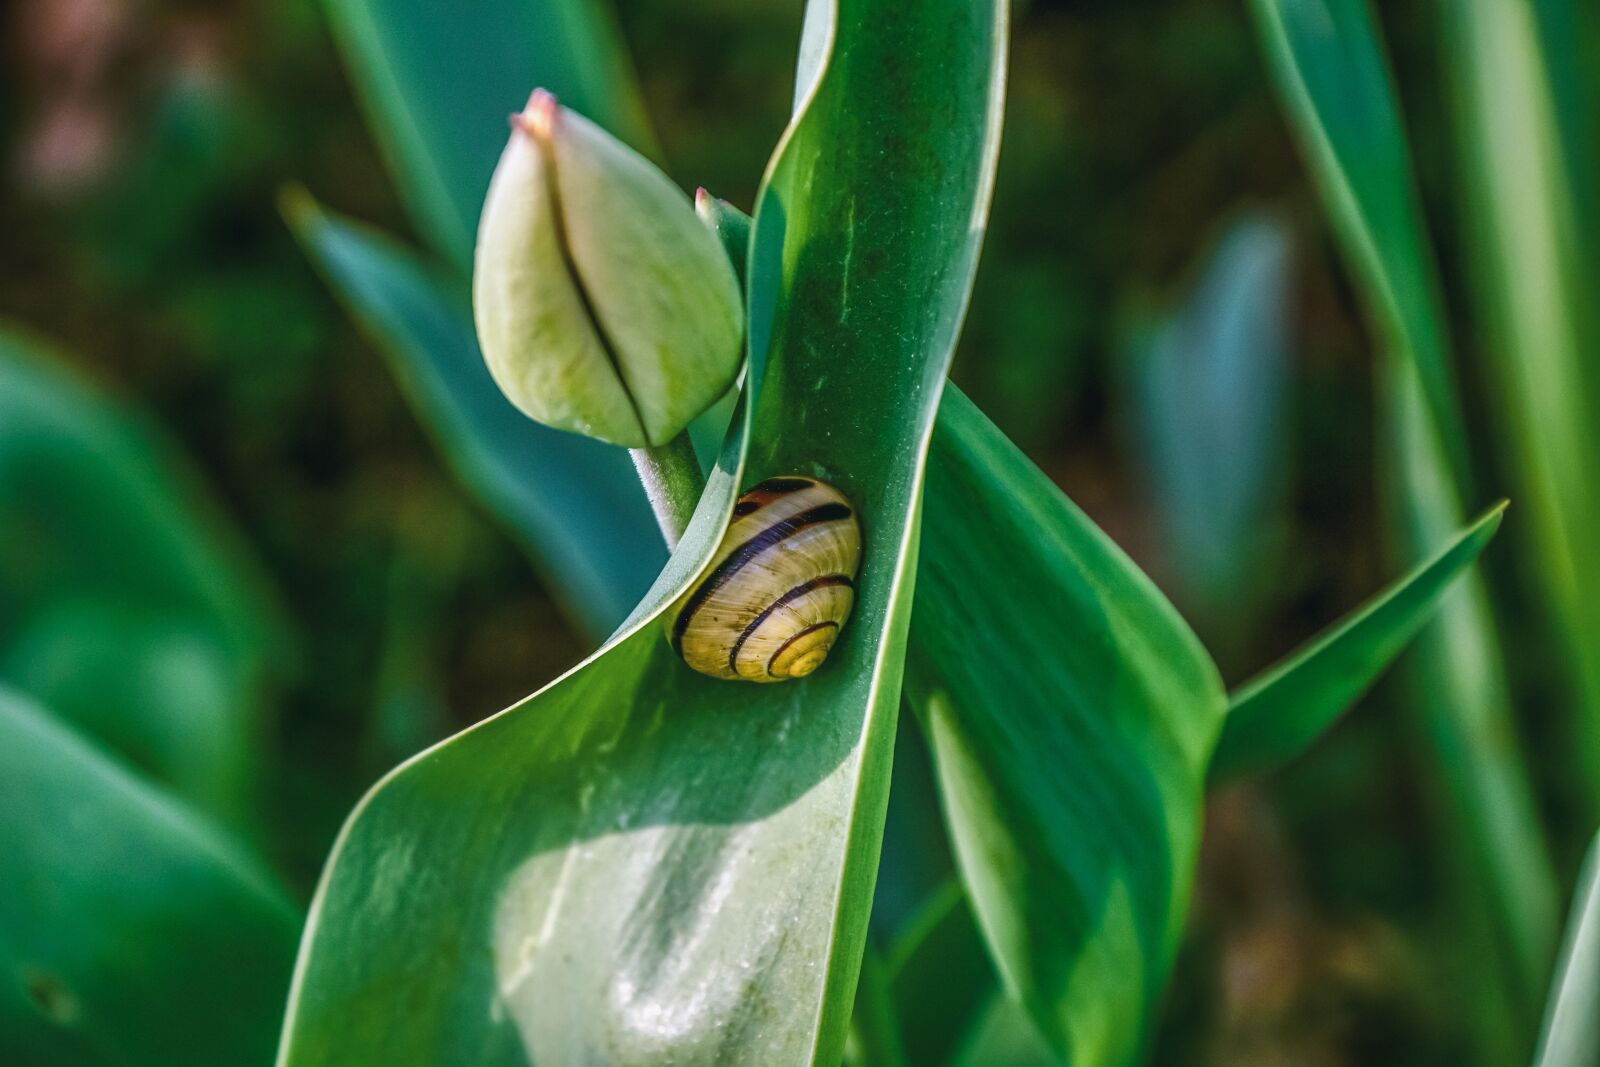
673 482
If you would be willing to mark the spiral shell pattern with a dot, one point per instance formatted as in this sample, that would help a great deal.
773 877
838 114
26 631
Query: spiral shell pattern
779 588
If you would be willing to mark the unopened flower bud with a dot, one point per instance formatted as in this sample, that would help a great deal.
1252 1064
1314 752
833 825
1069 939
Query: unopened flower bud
603 305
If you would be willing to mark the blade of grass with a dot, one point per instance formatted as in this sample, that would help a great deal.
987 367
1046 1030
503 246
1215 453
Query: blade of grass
1328 66
640 863
1280 712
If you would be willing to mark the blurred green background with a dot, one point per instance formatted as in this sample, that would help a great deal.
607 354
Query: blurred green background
1151 204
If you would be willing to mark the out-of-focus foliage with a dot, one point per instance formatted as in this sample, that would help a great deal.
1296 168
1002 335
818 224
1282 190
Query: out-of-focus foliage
1209 391
1528 178
118 904
1331 72
125 607
425 70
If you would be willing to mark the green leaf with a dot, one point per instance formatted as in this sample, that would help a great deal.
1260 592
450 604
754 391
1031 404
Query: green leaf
640 863
123 595
1571 1034
1278 714
130 932
1209 388
1536 269
181 712
574 501
940 977
1071 739
1330 70
438 81
875 1039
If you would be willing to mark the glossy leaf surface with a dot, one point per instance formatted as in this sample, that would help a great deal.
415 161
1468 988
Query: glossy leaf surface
130 932
641 863
1071 739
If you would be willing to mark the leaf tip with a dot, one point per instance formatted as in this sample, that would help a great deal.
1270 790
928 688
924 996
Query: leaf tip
297 206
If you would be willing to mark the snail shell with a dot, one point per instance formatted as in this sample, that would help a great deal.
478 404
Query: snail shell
779 588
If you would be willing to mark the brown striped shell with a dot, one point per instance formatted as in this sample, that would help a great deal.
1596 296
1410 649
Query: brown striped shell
779 588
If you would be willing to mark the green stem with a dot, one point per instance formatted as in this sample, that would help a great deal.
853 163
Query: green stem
673 482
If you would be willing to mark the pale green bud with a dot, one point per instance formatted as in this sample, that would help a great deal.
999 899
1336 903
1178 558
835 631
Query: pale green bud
603 305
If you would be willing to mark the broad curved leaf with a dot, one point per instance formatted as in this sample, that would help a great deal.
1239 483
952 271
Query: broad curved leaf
1279 713
640 863
439 80
103 529
130 932
1071 739
576 502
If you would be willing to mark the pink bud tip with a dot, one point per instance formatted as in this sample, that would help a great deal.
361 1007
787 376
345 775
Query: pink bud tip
539 117
701 196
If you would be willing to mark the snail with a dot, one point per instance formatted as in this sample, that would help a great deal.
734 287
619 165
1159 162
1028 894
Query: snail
779 587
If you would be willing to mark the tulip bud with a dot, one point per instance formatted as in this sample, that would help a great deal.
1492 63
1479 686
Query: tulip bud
603 305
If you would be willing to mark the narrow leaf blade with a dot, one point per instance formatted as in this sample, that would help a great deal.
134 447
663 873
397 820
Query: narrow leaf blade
1278 714
1329 67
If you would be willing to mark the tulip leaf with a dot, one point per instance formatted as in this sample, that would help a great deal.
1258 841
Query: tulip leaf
1534 258
130 931
124 599
641 864
1278 714
438 81
1071 739
1571 1034
1328 63
575 502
